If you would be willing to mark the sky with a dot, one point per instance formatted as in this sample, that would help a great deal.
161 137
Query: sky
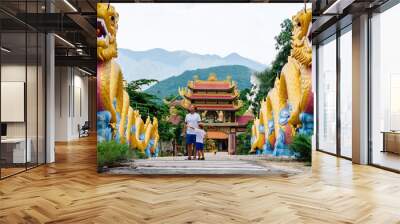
246 28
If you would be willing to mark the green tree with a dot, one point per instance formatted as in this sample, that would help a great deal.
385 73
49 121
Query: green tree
144 102
267 77
150 105
244 141
243 96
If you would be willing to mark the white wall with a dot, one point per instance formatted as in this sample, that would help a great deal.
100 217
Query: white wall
71 102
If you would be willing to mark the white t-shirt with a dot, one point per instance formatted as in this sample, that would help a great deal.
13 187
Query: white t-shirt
192 120
200 134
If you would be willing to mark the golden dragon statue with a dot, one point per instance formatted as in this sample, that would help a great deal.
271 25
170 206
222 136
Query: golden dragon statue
288 108
116 119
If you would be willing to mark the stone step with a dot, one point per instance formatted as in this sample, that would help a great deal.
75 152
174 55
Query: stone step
193 167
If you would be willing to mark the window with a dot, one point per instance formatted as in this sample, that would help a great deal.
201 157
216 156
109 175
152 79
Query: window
327 96
346 93
385 89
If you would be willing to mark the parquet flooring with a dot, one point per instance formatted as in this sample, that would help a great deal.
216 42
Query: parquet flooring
71 191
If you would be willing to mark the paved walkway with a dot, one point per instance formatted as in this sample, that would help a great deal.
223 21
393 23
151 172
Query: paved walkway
221 163
226 156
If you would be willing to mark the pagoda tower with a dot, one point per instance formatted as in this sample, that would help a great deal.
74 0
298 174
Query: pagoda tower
217 102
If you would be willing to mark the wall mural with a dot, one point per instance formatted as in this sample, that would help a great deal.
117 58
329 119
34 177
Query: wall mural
157 109
287 110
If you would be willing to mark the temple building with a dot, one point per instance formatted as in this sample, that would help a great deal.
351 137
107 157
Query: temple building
217 102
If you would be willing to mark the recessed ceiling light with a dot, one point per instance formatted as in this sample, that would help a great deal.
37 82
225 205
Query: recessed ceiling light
337 7
64 40
84 71
70 5
5 50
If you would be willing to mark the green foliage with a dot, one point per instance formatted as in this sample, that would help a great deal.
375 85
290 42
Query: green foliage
136 85
150 105
240 74
302 145
267 77
166 130
178 129
172 97
244 141
165 153
137 154
243 96
142 101
210 145
109 153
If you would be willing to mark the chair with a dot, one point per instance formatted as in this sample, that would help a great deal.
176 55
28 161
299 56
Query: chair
84 130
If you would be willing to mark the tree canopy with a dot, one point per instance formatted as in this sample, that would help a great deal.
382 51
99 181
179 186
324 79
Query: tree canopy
244 97
267 77
151 105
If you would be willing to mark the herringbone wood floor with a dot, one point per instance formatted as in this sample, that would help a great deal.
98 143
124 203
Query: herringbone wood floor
70 191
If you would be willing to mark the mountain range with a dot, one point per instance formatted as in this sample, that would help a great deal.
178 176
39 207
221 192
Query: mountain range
240 74
161 64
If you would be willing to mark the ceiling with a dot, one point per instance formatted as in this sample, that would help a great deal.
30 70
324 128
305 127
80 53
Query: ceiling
204 1
74 21
332 15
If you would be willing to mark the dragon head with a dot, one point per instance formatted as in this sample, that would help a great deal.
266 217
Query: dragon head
107 25
301 44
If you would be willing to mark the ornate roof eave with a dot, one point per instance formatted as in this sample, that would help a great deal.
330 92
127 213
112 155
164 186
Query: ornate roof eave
190 97
216 107
191 86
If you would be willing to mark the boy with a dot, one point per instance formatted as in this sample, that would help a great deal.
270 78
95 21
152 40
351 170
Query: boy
200 136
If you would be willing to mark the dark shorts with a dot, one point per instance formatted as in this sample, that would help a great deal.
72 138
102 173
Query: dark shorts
199 146
190 139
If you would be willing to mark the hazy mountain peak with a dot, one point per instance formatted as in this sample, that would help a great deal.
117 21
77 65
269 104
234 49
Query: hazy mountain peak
160 64
233 55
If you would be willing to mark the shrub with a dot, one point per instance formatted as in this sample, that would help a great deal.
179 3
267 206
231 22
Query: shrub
302 146
210 146
137 154
244 144
109 153
244 141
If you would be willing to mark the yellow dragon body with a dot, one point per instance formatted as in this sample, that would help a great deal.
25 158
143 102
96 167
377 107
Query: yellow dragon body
116 120
288 108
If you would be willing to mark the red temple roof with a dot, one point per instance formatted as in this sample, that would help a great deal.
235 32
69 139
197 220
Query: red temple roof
216 107
195 96
211 85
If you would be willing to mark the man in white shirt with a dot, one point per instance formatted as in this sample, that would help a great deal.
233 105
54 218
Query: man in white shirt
192 120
